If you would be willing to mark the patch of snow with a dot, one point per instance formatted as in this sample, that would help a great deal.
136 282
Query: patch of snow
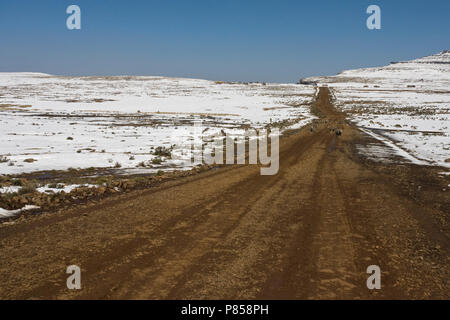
301 123
11 213
397 149
10 189
65 188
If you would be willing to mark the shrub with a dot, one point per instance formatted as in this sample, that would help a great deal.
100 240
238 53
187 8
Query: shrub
156 160
163 152
140 180
141 164
28 188
102 180
17 182
56 186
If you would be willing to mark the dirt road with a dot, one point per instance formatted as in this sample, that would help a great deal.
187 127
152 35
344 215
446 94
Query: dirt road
308 232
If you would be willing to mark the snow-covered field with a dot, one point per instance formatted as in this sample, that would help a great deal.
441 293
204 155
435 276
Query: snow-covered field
405 104
51 122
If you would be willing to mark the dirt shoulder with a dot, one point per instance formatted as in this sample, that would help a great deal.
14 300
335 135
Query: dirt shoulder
308 232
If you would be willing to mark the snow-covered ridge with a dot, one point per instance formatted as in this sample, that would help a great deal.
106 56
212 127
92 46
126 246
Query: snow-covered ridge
440 58
418 71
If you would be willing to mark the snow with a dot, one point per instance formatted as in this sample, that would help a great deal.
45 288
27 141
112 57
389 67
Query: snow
47 189
56 123
399 151
408 102
65 188
10 213
148 95
10 189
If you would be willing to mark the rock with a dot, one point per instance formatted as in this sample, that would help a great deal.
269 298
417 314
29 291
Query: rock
131 184
111 190
101 190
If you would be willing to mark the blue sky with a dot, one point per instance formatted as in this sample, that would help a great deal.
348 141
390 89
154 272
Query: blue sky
240 40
